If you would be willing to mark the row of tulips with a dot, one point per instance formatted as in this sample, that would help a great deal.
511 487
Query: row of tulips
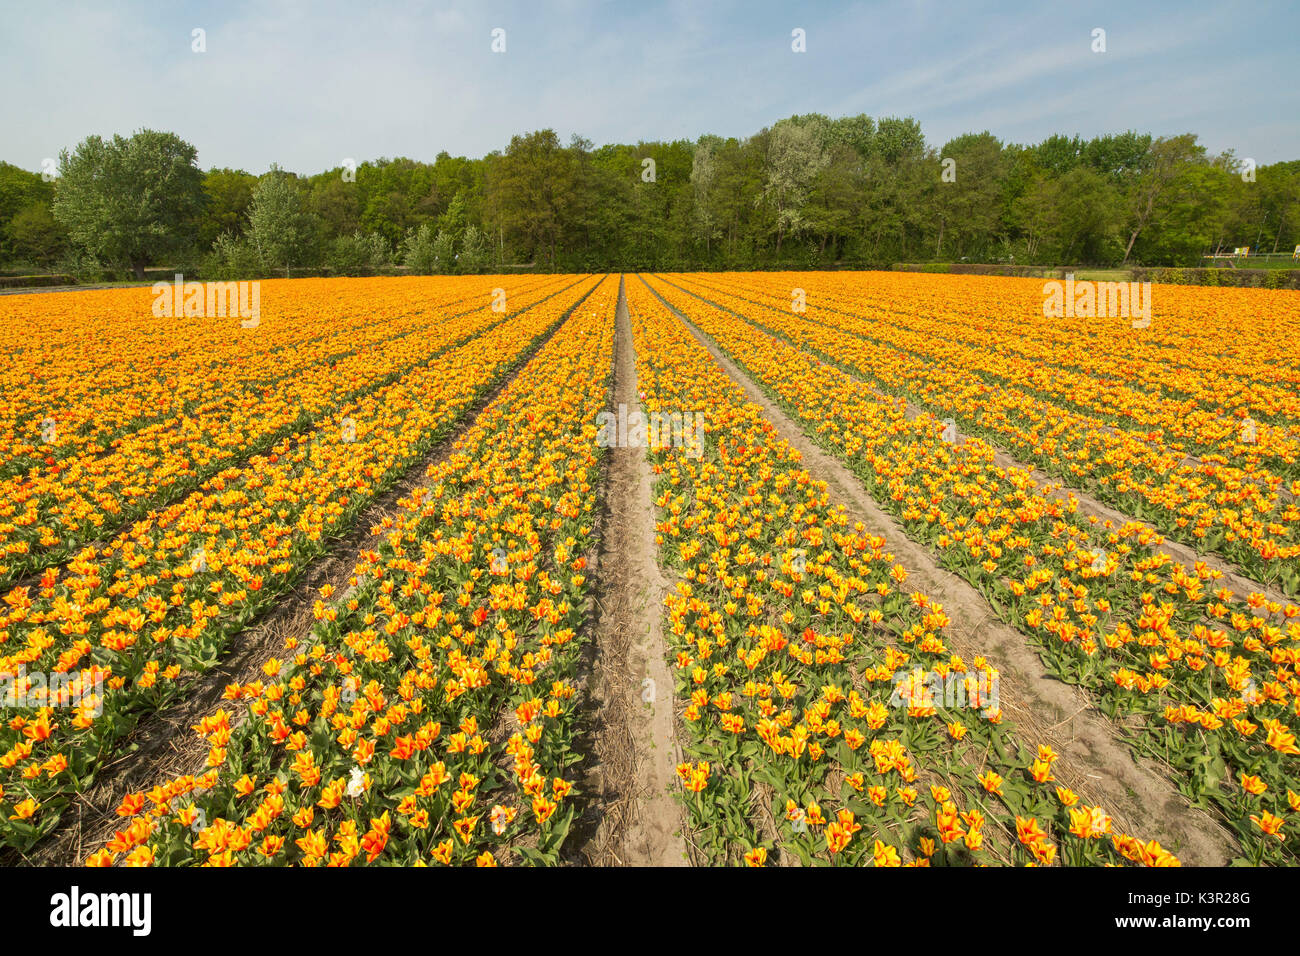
1217 348
1098 366
94 484
131 623
1235 506
100 364
826 721
1205 680
428 717
184 362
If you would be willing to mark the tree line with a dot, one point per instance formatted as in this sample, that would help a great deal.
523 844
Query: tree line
807 192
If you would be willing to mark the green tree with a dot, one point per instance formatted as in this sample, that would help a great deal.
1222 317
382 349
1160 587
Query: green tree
336 202
228 193
19 191
810 190
34 234
1164 162
968 207
706 223
475 251
453 220
794 159
894 214
130 200
232 257
359 254
526 190
418 252
279 225
444 252
834 198
1193 211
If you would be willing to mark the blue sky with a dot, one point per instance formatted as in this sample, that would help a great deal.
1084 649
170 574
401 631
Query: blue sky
307 85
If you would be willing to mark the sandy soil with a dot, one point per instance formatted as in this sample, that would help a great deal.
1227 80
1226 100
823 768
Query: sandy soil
635 749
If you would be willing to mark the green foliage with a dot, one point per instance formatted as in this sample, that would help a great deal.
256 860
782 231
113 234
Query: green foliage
475 251
281 228
83 267
528 195
228 194
419 253
809 191
130 201
232 258
359 254
20 190
444 252
33 235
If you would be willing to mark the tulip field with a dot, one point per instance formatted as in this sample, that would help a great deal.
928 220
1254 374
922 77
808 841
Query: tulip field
404 491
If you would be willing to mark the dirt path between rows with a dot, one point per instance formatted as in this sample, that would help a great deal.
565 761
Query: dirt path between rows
1095 763
164 746
634 745
1060 491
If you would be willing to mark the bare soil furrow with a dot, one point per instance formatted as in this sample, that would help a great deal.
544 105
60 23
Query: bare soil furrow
635 746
